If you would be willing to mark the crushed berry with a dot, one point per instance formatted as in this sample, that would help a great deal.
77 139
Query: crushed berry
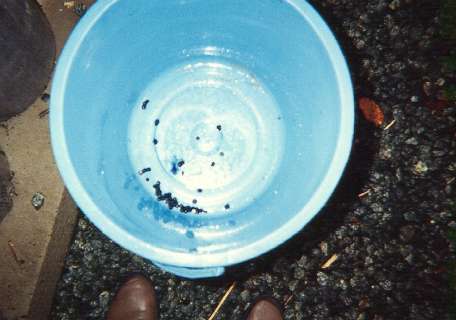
172 202
157 188
164 196
143 171
144 105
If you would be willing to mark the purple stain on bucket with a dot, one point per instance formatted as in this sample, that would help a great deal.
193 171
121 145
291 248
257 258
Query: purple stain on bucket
129 181
174 167
145 203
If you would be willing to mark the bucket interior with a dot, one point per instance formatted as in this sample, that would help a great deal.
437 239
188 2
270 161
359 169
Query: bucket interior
228 112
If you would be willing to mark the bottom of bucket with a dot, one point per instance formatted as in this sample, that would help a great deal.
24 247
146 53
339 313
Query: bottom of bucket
206 136
192 273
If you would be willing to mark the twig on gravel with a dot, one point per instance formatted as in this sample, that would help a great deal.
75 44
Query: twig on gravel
222 301
390 125
288 300
68 4
13 252
330 261
43 113
364 193
450 181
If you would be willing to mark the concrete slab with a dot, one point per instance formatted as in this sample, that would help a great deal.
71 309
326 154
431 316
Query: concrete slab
25 233
33 243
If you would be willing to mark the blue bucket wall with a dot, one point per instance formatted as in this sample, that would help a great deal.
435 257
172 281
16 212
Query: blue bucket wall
120 47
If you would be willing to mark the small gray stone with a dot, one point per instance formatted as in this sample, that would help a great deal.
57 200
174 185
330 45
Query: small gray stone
103 299
298 306
324 247
385 153
409 259
440 82
302 262
407 233
427 88
452 166
293 285
386 285
362 316
420 167
299 273
322 278
439 153
342 284
394 4
245 296
38 200
410 216
298 315
360 44
411 141
376 207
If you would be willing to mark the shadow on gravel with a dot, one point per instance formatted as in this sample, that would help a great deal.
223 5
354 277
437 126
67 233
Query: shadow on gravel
326 222
365 146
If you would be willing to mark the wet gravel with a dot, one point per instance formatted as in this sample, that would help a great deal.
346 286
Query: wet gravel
391 244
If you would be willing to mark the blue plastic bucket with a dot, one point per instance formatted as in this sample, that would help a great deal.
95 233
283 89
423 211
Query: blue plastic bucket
200 134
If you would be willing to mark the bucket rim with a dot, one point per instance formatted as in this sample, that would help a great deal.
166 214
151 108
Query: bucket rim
188 259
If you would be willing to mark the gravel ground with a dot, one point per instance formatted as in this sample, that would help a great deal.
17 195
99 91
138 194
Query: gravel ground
391 244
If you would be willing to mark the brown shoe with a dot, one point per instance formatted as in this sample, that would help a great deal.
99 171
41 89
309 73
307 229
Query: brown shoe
135 300
265 309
